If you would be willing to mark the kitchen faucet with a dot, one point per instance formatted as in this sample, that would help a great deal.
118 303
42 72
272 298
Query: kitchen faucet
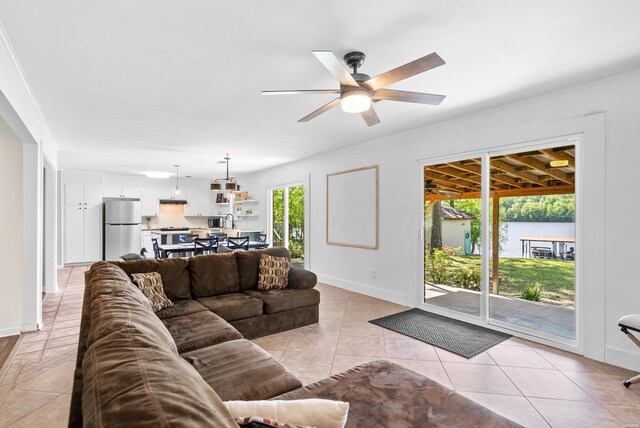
233 220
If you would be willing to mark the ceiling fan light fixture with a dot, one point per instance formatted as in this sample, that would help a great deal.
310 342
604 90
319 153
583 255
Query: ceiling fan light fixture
355 101
558 163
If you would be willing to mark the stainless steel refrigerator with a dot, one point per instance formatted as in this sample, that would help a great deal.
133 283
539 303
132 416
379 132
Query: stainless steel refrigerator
122 227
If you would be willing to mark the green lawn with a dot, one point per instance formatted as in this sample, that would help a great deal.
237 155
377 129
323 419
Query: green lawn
556 277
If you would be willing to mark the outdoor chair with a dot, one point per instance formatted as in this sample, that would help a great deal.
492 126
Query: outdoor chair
238 243
626 323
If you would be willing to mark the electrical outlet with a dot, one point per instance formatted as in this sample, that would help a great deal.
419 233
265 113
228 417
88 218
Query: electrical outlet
373 274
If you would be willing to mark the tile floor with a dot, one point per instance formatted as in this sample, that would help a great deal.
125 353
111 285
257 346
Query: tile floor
532 384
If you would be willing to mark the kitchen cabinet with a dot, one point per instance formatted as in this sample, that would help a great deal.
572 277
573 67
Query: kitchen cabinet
83 233
199 203
170 194
82 194
149 203
121 192
83 222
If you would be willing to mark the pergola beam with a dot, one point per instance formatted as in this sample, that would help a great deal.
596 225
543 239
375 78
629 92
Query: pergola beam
531 191
542 167
513 170
560 154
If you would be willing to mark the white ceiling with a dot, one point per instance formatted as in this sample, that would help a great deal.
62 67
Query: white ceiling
130 86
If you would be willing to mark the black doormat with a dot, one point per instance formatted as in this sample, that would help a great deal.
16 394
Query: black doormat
459 337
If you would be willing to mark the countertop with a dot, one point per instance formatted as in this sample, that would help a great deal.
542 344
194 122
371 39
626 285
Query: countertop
206 229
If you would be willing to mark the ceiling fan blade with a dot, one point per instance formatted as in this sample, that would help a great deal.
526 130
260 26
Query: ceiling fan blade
335 67
302 91
326 107
412 68
370 117
408 97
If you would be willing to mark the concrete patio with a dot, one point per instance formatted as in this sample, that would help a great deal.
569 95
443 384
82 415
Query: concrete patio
543 317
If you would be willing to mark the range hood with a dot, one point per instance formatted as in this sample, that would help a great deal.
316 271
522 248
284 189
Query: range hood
173 202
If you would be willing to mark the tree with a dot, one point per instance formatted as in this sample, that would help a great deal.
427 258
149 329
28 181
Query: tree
436 225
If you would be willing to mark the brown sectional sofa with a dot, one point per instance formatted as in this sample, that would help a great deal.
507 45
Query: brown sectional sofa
175 367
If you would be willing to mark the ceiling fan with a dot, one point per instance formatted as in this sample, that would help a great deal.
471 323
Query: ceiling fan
357 90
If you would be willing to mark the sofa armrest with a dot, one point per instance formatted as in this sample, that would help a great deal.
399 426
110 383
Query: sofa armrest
301 278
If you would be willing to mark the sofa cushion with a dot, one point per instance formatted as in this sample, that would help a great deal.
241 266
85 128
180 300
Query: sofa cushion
235 306
383 394
117 304
151 286
241 370
199 330
214 274
174 273
248 262
128 380
179 308
273 272
285 299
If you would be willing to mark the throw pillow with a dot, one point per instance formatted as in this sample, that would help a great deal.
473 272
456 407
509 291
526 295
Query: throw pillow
151 286
311 412
258 422
273 272
224 249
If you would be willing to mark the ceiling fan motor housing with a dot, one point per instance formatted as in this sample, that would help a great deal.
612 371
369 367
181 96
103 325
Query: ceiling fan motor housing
354 60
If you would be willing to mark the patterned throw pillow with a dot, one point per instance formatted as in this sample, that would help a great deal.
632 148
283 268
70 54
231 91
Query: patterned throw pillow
273 273
258 422
151 286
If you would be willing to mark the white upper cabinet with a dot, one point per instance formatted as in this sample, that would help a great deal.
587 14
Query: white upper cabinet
199 203
74 194
82 194
121 192
92 194
170 194
149 202
112 191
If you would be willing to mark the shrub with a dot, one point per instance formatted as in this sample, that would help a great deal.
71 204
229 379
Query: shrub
468 278
532 292
438 264
296 249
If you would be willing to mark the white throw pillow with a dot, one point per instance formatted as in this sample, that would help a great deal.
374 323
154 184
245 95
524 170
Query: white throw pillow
313 411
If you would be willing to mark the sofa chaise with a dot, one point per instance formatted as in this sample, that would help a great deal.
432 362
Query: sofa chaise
175 367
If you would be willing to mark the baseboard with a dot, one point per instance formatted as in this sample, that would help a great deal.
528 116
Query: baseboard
9 331
31 326
622 357
389 296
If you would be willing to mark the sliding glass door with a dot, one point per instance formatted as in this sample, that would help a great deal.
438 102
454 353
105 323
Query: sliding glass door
500 239
452 234
533 246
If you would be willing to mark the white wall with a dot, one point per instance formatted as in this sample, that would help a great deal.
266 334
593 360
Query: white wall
604 112
11 231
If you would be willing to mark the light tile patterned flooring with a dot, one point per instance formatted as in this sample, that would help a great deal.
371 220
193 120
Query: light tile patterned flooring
532 384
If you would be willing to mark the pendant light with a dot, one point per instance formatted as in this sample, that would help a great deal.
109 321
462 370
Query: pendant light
230 183
177 191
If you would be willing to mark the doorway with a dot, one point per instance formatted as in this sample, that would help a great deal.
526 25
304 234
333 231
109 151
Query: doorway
287 214
49 227
499 239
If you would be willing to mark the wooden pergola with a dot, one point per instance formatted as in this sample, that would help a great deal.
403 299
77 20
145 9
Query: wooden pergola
537 172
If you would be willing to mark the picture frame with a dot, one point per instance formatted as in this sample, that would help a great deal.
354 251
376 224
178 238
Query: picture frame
353 208
219 198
